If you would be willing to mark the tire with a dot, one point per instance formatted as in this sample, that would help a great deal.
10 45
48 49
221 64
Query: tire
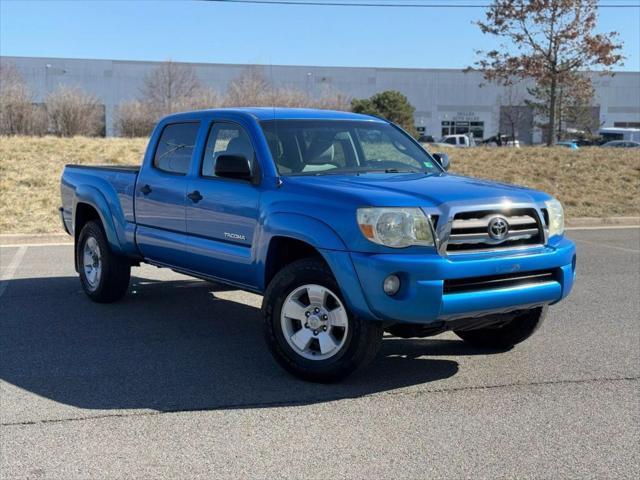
521 327
316 339
107 278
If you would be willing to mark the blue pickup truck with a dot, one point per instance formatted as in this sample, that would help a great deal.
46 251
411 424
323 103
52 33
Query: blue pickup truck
343 222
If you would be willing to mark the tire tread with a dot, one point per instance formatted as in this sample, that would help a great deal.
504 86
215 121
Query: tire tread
366 335
116 270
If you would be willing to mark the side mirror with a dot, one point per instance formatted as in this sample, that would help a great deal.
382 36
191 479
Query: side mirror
233 166
442 159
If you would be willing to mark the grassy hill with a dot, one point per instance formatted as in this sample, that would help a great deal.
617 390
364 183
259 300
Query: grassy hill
590 182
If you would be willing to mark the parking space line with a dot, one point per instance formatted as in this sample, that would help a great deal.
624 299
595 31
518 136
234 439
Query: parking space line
605 227
18 245
12 268
606 245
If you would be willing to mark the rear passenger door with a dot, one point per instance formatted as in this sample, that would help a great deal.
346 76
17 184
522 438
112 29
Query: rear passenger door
161 194
222 213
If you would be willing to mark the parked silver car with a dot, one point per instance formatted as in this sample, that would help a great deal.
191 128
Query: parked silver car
622 144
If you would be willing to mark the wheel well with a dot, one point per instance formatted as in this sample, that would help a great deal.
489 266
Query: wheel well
84 213
283 251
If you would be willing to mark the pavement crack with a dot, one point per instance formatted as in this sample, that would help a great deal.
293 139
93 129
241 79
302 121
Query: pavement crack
517 384
306 401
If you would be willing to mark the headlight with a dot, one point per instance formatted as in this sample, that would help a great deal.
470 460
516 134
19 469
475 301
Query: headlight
395 227
556 217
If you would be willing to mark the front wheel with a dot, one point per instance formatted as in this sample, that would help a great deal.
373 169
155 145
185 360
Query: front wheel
308 328
521 327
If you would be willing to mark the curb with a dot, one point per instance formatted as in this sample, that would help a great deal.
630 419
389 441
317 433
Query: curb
63 238
603 222
34 238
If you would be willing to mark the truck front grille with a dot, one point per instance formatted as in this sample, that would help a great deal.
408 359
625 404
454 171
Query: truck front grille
476 284
494 229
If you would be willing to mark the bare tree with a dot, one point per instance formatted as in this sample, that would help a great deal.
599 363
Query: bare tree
252 88
512 111
202 98
133 119
72 111
168 88
548 41
174 87
18 114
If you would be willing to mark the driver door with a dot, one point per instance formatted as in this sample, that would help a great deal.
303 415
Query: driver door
222 213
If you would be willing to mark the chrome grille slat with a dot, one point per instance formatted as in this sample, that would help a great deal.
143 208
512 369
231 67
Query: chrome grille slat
483 222
470 230
484 237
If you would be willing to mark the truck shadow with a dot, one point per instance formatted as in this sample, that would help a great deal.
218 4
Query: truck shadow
174 345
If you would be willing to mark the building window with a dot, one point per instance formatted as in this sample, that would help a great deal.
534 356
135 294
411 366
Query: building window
626 124
477 129
462 128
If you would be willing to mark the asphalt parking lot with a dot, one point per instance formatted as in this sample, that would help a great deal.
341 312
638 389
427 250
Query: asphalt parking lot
175 382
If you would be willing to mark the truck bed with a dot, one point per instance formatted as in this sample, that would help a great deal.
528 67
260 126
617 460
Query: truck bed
112 184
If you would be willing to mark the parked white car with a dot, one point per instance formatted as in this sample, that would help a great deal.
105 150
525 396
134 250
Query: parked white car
460 141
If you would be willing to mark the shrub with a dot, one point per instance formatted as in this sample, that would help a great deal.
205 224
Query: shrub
133 119
72 111
18 114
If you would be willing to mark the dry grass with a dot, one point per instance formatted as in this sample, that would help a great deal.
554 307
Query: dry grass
30 169
590 182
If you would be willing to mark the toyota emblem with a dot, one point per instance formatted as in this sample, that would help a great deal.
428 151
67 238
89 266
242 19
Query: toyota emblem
498 228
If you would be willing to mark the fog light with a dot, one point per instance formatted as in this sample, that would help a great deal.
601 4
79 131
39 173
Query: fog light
391 285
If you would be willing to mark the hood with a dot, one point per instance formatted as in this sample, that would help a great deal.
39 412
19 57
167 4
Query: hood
411 189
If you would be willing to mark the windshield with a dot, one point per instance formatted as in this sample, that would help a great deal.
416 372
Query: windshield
326 147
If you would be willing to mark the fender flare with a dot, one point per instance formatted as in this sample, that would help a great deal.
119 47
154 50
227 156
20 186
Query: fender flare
295 226
301 227
111 216
328 244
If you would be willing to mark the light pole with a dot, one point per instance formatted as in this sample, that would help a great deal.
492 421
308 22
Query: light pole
309 84
47 67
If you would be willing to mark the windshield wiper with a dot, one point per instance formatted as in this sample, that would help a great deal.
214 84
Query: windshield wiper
395 170
356 171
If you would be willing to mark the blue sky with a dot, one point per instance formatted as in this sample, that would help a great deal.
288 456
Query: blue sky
266 34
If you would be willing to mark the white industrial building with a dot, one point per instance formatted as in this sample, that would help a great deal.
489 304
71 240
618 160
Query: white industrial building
446 100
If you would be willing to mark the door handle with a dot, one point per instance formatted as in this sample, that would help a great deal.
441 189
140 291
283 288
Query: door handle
146 190
195 196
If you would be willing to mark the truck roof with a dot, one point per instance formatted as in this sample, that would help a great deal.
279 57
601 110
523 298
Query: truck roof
279 113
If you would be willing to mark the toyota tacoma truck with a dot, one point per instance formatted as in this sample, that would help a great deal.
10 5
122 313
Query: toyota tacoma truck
343 222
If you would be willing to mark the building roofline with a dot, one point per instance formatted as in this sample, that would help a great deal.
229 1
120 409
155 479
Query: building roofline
268 65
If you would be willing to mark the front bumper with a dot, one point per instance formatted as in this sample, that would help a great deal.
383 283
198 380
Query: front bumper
422 297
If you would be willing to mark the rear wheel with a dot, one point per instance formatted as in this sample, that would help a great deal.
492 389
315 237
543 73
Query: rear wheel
103 274
517 330
308 328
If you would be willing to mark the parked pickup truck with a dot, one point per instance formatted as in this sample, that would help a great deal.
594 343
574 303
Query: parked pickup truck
343 222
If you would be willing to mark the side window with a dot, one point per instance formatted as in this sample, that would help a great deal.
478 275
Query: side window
226 139
175 147
450 140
